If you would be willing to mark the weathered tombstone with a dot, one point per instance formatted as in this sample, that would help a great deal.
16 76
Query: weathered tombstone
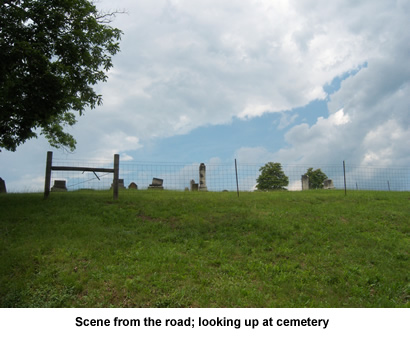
305 182
194 186
202 177
3 189
120 184
186 189
156 184
59 185
133 186
328 184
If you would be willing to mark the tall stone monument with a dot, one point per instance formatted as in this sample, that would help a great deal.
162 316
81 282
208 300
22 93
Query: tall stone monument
305 182
202 177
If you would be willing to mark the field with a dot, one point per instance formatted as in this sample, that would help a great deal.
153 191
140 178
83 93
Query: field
187 249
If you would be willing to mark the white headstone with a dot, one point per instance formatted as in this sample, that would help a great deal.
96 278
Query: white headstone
305 182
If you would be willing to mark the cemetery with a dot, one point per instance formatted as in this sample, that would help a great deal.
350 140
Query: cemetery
126 177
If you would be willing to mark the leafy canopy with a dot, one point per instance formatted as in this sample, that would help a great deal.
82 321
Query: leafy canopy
272 177
52 52
316 178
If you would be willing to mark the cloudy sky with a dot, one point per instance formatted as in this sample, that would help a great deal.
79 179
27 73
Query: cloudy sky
296 82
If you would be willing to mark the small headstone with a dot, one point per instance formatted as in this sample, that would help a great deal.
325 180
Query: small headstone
225 190
305 182
3 189
186 189
156 184
59 185
194 186
133 186
120 184
328 184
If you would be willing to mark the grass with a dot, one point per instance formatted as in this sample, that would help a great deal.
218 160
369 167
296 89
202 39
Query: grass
182 249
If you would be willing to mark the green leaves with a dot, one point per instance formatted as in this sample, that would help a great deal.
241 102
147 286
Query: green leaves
272 177
316 178
52 52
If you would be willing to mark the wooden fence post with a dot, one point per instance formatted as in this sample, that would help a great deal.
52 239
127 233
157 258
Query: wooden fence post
47 182
116 175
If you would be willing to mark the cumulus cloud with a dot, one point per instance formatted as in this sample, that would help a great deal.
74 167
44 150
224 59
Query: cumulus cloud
187 64
369 120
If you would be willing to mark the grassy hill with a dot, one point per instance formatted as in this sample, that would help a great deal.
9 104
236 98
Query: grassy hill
183 249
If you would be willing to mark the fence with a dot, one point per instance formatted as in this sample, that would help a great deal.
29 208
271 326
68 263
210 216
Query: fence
60 185
219 176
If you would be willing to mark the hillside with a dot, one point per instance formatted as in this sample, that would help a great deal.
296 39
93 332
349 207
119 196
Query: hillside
183 249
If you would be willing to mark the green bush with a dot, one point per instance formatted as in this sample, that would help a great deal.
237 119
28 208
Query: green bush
272 177
316 178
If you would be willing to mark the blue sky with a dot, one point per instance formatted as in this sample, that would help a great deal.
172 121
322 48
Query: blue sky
222 141
290 81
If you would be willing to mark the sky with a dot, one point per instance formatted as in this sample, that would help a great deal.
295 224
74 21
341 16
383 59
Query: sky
295 82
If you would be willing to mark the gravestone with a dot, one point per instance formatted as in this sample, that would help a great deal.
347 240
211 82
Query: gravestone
202 177
156 184
305 182
328 184
120 184
133 186
59 185
194 186
3 189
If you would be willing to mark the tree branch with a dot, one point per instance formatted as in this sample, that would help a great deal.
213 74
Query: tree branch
108 17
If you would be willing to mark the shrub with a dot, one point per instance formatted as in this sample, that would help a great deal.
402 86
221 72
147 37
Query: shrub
316 178
272 177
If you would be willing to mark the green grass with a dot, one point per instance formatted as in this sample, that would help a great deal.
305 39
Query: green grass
182 249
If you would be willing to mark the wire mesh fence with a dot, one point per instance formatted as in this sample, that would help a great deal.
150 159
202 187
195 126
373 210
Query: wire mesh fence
225 176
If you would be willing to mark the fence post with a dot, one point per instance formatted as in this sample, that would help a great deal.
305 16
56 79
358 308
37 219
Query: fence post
116 175
344 175
47 182
236 172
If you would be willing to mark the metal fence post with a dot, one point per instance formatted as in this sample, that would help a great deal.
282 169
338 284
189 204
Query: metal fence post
236 172
116 175
47 182
344 175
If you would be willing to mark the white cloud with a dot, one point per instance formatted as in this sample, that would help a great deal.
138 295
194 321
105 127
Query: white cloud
254 155
386 144
255 110
339 118
286 120
187 64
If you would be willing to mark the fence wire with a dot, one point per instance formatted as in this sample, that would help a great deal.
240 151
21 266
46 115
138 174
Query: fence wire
222 176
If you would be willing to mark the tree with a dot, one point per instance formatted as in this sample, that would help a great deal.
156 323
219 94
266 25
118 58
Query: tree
52 52
316 178
272 177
